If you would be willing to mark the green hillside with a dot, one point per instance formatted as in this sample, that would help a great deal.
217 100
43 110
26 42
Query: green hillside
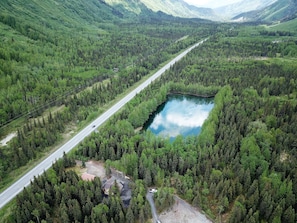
40 41
51 47
281 10
57 15
288 26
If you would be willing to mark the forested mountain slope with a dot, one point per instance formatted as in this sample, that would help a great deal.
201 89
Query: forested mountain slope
59 14
289 26
39 42
240 7
281 10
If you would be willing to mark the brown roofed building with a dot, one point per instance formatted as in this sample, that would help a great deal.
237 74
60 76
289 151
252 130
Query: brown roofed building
87 177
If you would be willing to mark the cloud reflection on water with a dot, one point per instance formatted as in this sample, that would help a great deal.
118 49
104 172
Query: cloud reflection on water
180 117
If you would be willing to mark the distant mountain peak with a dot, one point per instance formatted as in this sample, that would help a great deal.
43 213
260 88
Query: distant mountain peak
251 10
178 8
243 6
279 11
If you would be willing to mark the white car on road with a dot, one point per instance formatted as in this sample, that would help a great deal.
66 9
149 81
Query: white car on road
153 190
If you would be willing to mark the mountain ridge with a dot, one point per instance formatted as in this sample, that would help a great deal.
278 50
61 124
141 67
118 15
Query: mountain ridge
243 6
279 11
177 8
253 10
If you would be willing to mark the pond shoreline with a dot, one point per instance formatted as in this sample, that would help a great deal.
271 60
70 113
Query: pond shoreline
180 114
190 94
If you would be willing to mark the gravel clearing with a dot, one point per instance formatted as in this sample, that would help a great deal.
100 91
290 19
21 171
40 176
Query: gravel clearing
96 168
182 212
9 137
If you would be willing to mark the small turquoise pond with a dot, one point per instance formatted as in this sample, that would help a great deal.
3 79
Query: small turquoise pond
180 115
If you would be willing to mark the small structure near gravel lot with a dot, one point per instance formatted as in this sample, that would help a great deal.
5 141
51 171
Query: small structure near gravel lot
87 177
96 169
110 182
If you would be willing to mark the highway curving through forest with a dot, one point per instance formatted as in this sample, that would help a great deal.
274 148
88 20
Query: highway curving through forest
7 195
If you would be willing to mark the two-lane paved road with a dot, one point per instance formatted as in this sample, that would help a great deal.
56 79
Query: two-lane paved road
24 181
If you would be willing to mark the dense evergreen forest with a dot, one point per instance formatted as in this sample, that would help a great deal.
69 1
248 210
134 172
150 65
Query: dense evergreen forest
63 71
53 49
51 81
42 73
241 168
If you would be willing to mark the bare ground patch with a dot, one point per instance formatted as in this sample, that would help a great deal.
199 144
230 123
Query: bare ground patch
9 137
182 212
95 168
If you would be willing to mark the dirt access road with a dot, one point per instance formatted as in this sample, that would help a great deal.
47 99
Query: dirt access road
180 212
